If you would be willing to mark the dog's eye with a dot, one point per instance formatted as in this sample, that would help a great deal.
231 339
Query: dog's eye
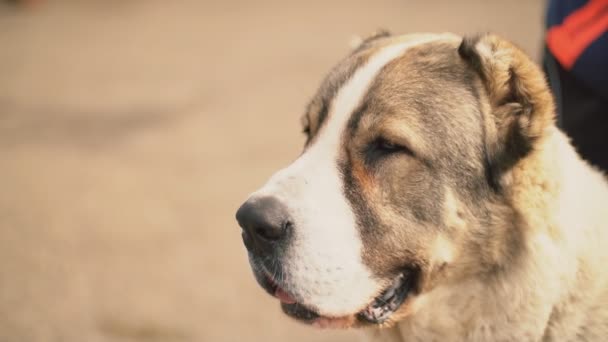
388 146
383 147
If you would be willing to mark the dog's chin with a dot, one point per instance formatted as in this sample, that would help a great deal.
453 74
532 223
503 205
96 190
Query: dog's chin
380 311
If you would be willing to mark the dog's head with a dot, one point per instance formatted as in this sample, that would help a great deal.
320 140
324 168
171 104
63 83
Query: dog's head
403 182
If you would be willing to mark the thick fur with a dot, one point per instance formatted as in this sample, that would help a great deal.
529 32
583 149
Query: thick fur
558 291
556 286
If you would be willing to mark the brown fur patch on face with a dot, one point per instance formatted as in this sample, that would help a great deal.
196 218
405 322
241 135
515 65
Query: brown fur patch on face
411 103
430 101
361 176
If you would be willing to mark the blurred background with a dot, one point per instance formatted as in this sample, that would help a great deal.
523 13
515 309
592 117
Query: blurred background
131 130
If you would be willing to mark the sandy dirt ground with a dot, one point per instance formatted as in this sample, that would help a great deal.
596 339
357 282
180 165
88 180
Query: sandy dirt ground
130 131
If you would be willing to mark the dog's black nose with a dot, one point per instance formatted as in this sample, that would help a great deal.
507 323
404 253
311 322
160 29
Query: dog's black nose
265 223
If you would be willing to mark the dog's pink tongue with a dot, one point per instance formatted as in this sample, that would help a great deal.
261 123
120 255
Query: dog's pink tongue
283 296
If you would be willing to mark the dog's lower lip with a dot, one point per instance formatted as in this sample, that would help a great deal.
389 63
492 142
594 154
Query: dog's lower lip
283 296
289 305
300 312
271 286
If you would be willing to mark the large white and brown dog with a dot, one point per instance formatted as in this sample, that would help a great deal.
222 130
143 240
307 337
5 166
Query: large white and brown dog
437 201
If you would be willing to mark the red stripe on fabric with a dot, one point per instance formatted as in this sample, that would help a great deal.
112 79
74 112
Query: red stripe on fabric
568 40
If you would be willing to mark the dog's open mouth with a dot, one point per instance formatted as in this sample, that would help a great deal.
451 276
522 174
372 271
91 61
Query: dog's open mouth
377 312
389 301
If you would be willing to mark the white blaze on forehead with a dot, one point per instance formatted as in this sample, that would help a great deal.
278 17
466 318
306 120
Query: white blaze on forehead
323 267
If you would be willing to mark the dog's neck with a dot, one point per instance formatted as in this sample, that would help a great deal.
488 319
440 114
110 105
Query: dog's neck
523 301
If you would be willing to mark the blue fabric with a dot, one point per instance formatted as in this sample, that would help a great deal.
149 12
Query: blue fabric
591 67
558 10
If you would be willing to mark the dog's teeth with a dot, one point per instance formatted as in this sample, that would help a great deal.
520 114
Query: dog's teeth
389 294
398 281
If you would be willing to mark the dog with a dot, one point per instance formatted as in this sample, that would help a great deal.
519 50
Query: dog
435 200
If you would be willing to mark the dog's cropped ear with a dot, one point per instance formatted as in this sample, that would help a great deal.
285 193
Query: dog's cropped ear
358 43
521 106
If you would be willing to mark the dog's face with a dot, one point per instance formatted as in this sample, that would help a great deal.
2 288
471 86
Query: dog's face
393 190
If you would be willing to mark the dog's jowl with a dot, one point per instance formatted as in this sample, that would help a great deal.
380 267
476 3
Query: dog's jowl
435 200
